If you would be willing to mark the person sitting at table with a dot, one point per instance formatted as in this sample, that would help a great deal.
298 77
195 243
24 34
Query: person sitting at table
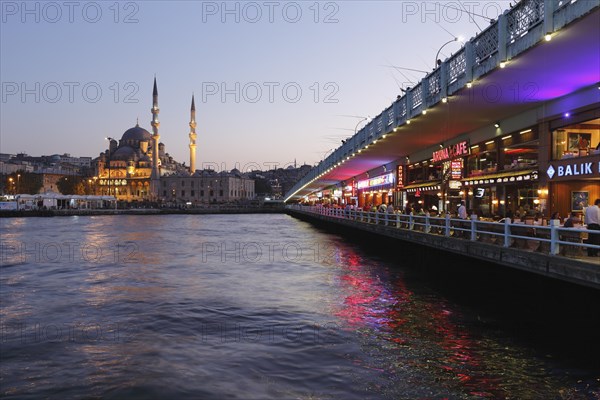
509 214
517 215
572 220
555 215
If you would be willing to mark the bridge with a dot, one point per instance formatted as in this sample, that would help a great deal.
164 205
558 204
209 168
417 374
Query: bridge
526 81
538 59
550 251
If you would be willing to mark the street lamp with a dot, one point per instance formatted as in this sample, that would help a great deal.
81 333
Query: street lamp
18 182
359 122
11 185
438 61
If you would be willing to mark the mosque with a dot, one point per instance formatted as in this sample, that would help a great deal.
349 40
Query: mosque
137 168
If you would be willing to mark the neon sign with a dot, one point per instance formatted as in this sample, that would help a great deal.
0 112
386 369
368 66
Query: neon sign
377 181
400 177
456 169
450 152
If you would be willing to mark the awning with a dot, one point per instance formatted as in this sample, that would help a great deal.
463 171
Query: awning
503 177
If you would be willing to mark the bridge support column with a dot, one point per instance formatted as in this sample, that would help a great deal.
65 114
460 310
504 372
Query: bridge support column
502 37
549 7
469 60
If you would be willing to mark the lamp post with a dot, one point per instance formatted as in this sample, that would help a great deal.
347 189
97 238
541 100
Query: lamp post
437 61
18 182
359 122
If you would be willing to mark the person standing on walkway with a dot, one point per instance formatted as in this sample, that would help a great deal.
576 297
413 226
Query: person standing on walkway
462 210
592 219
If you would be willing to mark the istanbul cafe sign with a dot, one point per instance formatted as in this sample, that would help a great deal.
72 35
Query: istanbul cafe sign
575 167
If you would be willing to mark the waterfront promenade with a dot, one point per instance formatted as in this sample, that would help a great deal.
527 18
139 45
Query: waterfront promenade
214 209
550 251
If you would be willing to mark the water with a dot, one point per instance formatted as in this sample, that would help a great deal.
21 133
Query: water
270 307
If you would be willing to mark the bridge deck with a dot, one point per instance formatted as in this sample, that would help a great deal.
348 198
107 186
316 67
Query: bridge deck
583 271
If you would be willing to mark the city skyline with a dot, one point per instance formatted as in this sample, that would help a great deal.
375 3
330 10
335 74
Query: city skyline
273 83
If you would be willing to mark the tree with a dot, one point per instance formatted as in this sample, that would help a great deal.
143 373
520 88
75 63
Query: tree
71 185
21 182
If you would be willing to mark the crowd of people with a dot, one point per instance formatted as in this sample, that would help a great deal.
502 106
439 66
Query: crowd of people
591 216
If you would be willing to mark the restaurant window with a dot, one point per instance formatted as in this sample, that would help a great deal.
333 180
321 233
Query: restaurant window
577 140
416 173
482 163
183 193
193 193
202 193
521 156
433 172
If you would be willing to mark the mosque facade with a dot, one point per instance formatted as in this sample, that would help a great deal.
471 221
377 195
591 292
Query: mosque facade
137 168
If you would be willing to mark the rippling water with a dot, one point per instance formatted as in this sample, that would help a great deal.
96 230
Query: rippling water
264 307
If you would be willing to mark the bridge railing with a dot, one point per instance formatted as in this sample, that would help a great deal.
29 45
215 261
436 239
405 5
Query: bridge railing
552 239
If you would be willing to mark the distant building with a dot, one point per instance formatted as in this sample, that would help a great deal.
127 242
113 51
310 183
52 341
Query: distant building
207 187
7 168
50 182
137 168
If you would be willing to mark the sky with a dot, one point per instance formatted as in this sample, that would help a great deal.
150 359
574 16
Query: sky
274 82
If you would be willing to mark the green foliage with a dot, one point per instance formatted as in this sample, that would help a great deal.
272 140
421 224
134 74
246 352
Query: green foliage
71 185
22 182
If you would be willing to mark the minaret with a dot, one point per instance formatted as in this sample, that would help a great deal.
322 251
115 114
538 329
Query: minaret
155 124
193 137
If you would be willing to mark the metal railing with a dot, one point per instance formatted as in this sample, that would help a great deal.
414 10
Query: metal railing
552 239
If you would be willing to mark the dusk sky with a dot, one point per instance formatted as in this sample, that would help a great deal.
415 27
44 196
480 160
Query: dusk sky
75 73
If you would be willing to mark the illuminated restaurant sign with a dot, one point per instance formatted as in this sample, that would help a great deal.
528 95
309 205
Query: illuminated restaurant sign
112 182
454 184
456 169
450 152
574 167
399 177
387 179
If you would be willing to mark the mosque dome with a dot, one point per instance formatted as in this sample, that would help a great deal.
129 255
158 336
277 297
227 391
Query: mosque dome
124 153
137 134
